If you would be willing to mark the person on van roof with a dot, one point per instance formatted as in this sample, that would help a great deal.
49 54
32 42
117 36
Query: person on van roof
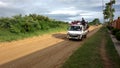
83 22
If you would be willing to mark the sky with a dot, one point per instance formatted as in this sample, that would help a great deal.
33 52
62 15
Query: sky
63 10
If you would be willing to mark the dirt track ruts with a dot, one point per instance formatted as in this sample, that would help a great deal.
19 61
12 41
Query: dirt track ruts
47 51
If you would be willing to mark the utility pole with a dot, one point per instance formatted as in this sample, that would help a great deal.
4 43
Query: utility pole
111 18
103 10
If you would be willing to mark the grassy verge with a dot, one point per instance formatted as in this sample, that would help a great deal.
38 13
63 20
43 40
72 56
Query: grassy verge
8 36
113 55
88 55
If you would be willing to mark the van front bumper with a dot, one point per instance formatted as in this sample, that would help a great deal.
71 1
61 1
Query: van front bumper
70 36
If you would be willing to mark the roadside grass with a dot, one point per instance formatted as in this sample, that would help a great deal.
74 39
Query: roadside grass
8 36
112 53
88 56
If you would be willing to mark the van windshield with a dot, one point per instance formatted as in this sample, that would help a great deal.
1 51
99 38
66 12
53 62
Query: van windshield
75 28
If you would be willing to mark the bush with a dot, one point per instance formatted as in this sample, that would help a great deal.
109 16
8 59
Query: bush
29 23
110 27
114 31
117 35
14 29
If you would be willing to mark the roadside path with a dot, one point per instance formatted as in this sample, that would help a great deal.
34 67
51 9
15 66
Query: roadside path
116 43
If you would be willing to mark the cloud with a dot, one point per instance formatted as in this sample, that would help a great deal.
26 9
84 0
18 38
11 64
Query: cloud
63 17
65 10
3 4
7 12
69 11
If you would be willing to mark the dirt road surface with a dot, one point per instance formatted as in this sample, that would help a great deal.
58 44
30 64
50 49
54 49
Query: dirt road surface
47 51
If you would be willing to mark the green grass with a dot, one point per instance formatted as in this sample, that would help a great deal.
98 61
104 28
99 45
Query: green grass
8 36
113 55
88 55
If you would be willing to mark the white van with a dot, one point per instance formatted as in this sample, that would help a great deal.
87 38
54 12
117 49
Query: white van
77 31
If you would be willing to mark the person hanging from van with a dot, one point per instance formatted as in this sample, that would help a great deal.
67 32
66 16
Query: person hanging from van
83 22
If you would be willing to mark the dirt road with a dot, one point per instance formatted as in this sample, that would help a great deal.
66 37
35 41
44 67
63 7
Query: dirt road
47 51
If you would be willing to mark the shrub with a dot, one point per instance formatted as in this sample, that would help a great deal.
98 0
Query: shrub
114 31
117 35
29 23
110 27
14 29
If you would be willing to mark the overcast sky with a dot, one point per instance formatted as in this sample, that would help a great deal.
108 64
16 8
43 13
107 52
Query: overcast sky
65 10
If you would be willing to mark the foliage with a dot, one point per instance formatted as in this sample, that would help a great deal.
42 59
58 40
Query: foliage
114 31
117 35
108 11
28 23
96 21
109 27
22 26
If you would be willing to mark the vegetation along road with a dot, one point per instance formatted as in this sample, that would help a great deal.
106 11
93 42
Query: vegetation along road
47 51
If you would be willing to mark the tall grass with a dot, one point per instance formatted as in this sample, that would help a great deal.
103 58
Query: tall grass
18 27
8 36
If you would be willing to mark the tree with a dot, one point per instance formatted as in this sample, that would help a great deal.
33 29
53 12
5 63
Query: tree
109 11
96 21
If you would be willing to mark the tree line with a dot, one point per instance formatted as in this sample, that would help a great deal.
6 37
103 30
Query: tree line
28 23
96 21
